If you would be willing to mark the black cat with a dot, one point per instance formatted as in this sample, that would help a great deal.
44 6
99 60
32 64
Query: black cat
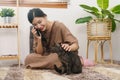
70 61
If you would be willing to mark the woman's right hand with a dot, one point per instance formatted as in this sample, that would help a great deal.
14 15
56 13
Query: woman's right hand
35 33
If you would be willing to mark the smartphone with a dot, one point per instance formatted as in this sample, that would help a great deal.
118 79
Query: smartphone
38 32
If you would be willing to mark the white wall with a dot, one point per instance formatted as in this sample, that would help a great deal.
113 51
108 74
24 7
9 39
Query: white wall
68 17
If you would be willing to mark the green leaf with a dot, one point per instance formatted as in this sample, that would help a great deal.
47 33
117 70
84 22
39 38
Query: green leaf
86 7
107 13
116 9
113 25
83 20
94 9
89 8
103 4
96 14
7 12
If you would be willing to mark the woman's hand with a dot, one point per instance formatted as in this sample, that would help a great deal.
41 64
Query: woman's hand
35 33
72 47
66 47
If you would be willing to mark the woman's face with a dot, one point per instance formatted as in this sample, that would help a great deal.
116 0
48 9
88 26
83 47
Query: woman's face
40 23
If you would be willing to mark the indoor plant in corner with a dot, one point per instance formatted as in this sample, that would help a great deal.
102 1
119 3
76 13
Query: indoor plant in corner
103 12
7 14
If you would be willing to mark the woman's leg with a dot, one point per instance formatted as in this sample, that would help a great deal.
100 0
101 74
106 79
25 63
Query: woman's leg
37 61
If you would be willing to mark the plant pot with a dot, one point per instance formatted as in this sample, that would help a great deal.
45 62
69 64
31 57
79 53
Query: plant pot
97 27
7 19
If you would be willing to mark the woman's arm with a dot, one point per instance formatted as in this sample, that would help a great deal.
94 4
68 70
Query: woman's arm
70 42
39 47
37 43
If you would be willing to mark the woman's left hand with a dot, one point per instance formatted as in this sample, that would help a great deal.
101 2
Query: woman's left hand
66 47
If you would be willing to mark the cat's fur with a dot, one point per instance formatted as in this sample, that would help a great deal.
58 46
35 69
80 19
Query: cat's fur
70 61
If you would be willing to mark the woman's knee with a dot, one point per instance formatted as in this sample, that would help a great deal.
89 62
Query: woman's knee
28 58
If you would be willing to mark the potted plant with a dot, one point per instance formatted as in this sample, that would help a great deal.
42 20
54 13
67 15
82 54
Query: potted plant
7 13
103 12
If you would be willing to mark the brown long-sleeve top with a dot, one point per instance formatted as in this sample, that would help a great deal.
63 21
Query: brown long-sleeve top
58 33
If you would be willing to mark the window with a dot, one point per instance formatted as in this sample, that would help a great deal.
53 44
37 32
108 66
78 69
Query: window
37 3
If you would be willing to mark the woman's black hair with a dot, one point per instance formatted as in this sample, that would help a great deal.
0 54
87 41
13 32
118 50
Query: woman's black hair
35 12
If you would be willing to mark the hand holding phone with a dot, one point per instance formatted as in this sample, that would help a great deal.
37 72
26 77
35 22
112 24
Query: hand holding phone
38 32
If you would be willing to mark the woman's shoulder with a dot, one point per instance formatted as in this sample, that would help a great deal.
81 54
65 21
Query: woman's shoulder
59 25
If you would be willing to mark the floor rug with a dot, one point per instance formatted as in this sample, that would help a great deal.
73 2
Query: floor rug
112 71
89 73
3 72
12 73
